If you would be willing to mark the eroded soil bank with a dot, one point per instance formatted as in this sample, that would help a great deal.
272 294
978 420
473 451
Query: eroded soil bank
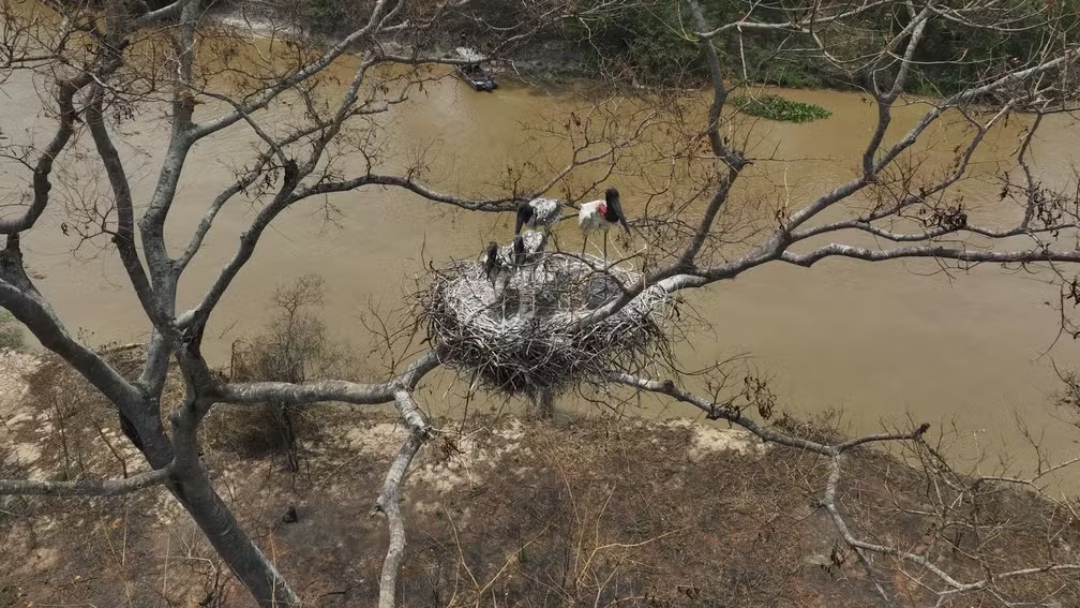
501 511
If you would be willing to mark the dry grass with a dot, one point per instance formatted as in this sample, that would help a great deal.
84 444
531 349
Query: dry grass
78 427
587 512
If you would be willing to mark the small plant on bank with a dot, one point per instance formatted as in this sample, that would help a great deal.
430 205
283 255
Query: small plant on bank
290 348
775 107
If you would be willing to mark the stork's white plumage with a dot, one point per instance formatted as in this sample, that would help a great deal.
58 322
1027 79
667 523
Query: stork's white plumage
533 244
539 212
590 219
601 215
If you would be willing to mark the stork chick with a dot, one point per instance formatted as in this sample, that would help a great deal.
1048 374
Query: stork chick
495 268
528 251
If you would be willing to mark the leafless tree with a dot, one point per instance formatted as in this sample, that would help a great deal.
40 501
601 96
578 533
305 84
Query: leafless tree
86 51
101 62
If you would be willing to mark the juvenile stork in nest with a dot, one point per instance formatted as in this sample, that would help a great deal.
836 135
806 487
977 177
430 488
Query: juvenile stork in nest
601 215
528 251
539 212
496 269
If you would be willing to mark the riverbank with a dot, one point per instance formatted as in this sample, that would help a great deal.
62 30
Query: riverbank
637 48
543 61
587 510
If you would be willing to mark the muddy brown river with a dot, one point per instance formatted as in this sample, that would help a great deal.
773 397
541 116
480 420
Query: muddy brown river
881 342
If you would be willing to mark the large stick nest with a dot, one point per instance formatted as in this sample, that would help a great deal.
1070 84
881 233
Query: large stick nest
523 336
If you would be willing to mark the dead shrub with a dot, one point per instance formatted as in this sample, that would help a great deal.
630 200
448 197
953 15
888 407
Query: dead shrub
293 347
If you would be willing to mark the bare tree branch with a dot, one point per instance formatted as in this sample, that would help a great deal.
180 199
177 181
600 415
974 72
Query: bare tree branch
125 230
162 14
724 411
330 390
18 295
112 487
389 503
1037 254
263 99
805 26
829 501
66 92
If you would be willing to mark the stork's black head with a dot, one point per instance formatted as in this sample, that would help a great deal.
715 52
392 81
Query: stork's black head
525 215
611 198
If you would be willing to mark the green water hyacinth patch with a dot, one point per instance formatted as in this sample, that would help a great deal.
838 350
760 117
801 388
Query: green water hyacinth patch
775 107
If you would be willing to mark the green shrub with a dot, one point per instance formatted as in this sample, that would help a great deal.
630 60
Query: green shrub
775 107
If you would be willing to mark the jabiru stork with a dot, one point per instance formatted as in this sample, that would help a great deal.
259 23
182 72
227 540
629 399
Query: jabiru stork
601 215
539 212
495 268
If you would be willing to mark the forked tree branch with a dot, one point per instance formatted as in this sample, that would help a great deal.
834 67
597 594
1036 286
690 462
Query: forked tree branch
686 274
258 169
952 585
686 271
265 97
66 90
164 273
291 193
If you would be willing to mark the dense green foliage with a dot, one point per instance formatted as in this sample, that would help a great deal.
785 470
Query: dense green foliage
652 42
775 107
329 17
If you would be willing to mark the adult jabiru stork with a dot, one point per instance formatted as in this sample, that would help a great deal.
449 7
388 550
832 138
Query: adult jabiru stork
539 212
601 215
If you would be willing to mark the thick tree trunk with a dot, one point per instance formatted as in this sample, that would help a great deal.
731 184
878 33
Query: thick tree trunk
191 486
543 403
232 543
